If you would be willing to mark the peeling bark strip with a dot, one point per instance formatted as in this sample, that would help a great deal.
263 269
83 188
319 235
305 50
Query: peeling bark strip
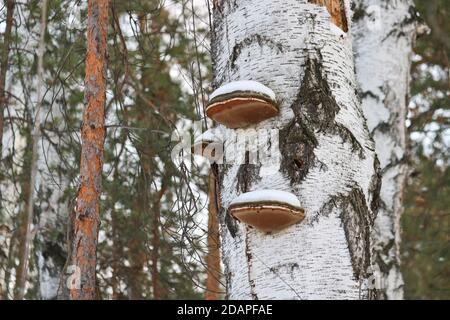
336 8
326 154
384 33
86 221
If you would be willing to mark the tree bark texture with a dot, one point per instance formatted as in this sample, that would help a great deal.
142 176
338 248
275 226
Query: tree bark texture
213 285
326 155
21 276
384 34
158 292
4 65
22 229
49 242
86 217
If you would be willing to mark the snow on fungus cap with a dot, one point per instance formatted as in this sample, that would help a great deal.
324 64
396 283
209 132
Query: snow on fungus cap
239 104
267 210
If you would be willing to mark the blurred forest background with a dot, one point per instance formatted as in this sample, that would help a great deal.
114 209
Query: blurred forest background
426 221
153 238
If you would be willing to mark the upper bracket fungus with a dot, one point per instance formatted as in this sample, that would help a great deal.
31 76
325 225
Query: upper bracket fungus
239 104
267 210
209 145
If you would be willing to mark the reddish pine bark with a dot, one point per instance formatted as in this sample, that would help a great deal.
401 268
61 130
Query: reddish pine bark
336 9
4 64
158 292
86 216
213 258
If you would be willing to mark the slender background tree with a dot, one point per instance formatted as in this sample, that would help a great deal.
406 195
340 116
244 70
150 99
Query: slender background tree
384 37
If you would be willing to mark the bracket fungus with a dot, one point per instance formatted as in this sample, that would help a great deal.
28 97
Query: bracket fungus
209 145
239 104
267 210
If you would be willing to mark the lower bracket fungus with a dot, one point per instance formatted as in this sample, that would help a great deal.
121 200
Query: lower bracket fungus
267 210
239 104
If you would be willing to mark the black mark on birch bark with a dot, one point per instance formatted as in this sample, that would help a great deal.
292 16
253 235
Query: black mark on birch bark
291 267
228 277
357 220
385 260
249 256
247 174
358 11
375 187
52 251
315 109
225 219
256 38
369 93
230 223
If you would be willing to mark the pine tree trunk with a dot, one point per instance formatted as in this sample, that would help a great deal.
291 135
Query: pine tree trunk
213 254
326 155
83 233
117 247
384 34
137 251
156 243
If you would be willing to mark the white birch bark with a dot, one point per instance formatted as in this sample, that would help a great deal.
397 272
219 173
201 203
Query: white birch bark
326 155
50 236
384 33
22 277
49 243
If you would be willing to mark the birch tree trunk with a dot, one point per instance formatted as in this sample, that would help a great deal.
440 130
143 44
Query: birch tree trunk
384 35
28 221
4 65
326 157
49 245
80 284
